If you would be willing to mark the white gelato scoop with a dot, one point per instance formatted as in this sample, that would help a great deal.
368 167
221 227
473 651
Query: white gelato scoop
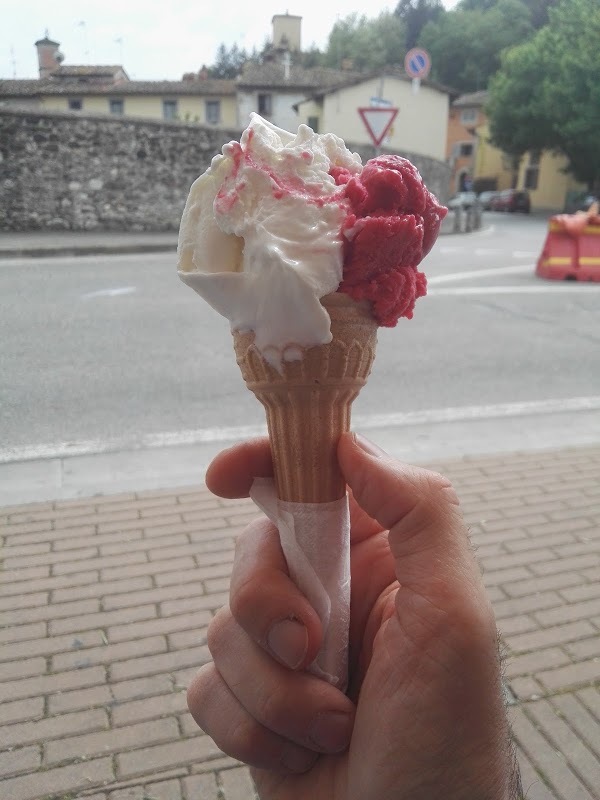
260 235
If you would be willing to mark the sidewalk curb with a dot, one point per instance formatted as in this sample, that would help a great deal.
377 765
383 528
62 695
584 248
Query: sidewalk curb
45 252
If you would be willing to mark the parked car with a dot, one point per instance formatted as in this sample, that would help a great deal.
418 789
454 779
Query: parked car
485 199
512 200
462 200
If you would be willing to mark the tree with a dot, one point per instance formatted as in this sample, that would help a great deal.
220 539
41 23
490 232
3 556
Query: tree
465 45
538 9
369 43
229 62
546 95
416 14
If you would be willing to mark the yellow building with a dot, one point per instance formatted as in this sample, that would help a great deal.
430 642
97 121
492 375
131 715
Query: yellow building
419 127
108 90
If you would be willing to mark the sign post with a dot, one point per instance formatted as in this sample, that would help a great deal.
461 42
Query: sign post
417 64
378 120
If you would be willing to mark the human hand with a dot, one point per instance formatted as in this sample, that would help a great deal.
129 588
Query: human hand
425 717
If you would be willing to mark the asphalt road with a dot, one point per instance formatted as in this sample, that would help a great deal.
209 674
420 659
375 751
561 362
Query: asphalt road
116 348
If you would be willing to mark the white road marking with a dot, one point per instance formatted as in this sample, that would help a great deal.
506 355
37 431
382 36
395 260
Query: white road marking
480 273
365 422
110 292
561 288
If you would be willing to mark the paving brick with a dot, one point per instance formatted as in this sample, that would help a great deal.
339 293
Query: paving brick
22 668
494 577
161 706
41 730
185 639
568 613
236 784
158 523
22 574
546 759
142 687
529 543
101 541
202 559
82 553
533 585
53 611
588 648
519 624
104 563
528 604
19 633
587 591
580 720
109 653
15 528
536 661
46 583
185 622
566 564
185 751
503 562
101 589
50 645
222 585
95 696
141 544
48 684
12 549
534 787
153 595
23 601
110 741
526 688
101 619
559 634
99 518
525 520
212 601
51 782
71 536
164 790
166 662
569 677
26 508
579 756
22 710
200 787
145 568
23 759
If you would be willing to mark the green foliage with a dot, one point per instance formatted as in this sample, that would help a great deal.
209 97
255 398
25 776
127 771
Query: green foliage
229 62
416 14
466 44
547 93
370 43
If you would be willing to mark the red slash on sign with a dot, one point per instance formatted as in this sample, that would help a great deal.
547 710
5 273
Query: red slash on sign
378 121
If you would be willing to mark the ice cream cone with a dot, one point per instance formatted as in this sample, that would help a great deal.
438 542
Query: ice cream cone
308 404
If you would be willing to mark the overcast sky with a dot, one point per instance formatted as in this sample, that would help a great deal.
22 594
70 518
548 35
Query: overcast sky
154 40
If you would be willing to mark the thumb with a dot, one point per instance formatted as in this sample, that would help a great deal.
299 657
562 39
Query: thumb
427 535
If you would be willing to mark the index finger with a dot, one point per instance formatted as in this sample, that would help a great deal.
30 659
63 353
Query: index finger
232 472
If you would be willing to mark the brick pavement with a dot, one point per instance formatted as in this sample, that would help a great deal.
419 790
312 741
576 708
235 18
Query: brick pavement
104 604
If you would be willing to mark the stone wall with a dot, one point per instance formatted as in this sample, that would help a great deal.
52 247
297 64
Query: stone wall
64 171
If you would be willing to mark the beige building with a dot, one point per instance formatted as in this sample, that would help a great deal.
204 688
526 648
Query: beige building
108 90
420 125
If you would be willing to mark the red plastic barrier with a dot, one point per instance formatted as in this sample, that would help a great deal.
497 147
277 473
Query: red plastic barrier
572 247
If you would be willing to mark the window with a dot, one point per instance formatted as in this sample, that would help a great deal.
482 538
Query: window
532 172
462 149
75 104
468 116
313 122
169 109
265 105
116 106
213 111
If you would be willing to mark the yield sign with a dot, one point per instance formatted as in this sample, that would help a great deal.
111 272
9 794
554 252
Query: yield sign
378 121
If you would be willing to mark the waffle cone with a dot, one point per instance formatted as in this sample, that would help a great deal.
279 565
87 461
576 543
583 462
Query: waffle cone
308 404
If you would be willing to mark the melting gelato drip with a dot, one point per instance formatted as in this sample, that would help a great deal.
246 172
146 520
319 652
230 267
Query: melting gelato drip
280 220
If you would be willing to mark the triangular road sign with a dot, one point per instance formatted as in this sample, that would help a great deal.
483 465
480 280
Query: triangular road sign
378 121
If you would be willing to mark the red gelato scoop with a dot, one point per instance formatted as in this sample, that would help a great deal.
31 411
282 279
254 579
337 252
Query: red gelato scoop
393 224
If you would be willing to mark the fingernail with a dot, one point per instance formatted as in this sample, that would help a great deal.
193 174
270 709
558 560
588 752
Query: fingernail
288 641
297 759
368 446
331 731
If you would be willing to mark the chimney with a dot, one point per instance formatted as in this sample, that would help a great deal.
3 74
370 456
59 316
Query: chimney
49 57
